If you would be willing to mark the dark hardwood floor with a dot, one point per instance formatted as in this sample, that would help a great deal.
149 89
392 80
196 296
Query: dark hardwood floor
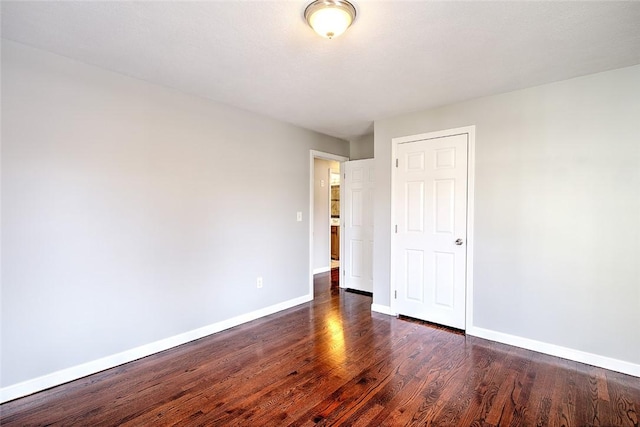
333 362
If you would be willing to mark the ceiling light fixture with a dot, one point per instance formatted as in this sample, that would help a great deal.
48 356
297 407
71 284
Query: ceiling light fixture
330 18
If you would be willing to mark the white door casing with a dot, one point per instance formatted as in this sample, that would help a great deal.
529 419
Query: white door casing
314 154
430 228
357 217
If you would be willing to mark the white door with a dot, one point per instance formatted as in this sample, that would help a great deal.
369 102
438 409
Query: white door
430 201
358 225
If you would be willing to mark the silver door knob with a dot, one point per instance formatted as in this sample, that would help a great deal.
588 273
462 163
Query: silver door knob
458 242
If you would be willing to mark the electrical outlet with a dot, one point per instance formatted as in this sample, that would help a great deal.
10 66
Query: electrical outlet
259 282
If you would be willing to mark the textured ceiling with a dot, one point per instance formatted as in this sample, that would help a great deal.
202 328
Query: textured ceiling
398 57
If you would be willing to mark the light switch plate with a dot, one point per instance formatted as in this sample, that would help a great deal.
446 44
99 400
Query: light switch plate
299 216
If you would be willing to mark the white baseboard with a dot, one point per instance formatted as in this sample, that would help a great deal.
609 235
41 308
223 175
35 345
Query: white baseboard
384 309
558 351
321 269
65 375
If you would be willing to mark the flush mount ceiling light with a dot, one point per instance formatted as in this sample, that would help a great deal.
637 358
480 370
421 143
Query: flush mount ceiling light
330 18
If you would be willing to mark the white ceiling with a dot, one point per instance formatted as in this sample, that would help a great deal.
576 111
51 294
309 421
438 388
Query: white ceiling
398 57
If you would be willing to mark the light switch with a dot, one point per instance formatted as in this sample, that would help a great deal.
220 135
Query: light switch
299 216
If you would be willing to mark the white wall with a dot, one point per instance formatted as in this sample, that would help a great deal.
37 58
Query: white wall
557 211
132 213
361 148
322 213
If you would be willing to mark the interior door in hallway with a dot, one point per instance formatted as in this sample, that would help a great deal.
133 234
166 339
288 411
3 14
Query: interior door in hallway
358 225
430 202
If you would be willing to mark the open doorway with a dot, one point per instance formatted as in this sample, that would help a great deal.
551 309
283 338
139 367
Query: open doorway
334 200
326 215
325 225
334 221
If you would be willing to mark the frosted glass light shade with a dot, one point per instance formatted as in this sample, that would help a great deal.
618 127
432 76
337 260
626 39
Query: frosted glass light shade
330 18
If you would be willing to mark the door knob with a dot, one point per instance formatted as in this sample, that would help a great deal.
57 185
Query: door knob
458 242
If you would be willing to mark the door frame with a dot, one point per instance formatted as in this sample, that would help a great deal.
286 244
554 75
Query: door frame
471 132
314 154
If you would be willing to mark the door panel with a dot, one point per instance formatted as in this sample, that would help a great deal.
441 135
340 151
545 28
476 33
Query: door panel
355 207
356 258
430 202
444 278
358 225
415 275
415 206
